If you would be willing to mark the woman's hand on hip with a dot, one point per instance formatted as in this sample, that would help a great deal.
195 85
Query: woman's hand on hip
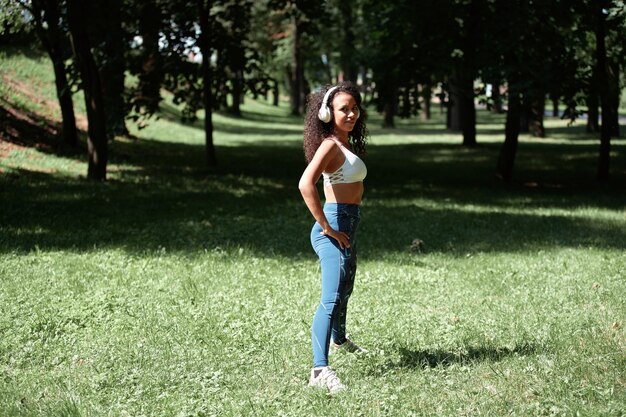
341 237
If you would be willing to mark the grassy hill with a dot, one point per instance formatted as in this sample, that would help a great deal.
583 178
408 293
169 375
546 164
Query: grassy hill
173 289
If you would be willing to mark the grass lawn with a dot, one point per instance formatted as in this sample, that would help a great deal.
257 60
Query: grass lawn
177 290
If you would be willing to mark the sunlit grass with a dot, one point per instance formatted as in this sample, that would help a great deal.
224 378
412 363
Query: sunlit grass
27 82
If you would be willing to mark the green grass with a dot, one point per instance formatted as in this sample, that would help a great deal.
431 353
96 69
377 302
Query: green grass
177 290
28 81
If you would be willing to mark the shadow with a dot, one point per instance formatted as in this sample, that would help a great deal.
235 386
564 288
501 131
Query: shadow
439 358
161 195
22 127
30 52
460 233
258 208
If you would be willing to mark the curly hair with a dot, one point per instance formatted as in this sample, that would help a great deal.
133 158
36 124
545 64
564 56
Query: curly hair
315 131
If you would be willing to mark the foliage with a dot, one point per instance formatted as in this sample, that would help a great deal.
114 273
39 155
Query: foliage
233 55
15 22
402 49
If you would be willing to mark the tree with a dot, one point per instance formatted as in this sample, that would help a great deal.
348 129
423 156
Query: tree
527 42
204 13
109 44
511 66
302 20
347 47
186 34
465 70
270 39
49 22
506 158
297 66
600 47
616 56
92 87
238 66
605 73
205 58
408 46
146 62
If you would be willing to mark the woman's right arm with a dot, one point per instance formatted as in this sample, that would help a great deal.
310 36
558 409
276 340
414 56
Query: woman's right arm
307 185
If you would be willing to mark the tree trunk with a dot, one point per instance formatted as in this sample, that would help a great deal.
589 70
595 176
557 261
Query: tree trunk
604 74
508 150
388 120
52 41
426 93
387 95
469 120
448 106
468 113
454 104
555 106
463 115
524 115
366 87
593 121
97 140
347 48
237 93
222 95
204 7
276 92
444 101
297 68
592 101
107 29
148 94
237 66
614 96
538 107
496 97
405 111
64 94
328 70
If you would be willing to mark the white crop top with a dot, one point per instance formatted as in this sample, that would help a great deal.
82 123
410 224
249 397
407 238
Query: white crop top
352 170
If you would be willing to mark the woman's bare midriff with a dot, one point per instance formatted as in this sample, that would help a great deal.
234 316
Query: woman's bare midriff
344 193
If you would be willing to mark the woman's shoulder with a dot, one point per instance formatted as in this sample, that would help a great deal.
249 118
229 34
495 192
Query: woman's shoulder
329 144
332 139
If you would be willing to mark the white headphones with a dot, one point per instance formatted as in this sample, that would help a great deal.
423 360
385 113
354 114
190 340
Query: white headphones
324 114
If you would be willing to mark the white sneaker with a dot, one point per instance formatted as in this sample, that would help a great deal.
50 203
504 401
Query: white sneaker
348 346
326 378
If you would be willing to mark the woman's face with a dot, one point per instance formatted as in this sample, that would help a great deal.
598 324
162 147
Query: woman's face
345 111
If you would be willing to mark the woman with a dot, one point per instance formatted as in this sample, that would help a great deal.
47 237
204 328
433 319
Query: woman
335 124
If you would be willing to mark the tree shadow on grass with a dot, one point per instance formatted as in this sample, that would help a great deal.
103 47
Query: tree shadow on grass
560 175
165 197
265 216
461 232
23 127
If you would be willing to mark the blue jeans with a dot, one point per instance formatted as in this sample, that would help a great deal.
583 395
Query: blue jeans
338 270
